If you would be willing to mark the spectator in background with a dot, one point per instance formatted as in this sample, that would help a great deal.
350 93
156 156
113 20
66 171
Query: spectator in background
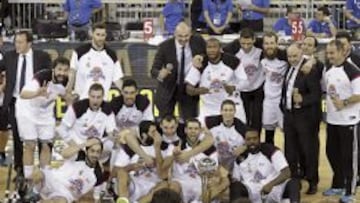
196 11
174 12
253 14
283 25
79 13
322 26
352 13
217 15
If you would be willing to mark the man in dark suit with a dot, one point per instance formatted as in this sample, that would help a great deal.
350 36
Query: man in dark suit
20 66
300 99
171 64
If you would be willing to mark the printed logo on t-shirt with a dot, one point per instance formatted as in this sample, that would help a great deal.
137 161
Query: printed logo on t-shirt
96 74
76 186
250 69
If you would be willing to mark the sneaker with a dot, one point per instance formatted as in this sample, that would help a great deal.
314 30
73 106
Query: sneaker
347 199
333 192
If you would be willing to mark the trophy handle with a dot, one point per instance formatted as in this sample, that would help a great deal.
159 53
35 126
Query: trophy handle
205 195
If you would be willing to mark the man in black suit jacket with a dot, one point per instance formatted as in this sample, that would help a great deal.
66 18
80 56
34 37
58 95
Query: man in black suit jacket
300 99
172 61
19 66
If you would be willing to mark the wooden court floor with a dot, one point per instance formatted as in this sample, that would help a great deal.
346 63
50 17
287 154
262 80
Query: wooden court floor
324 171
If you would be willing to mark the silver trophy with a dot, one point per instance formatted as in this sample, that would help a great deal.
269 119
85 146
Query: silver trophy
206 167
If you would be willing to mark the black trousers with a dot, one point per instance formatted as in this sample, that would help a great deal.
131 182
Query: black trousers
341 150
188 105
239 191
255 25
302 140
18 144
253 105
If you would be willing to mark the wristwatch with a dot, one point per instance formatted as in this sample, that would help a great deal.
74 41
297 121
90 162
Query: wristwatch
346 102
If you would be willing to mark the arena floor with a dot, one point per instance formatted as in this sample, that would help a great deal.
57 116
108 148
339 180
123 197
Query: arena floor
324 170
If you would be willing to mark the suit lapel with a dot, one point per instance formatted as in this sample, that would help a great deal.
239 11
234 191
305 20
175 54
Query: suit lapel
173 55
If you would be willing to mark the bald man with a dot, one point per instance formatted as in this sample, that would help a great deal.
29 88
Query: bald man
171 64
301 95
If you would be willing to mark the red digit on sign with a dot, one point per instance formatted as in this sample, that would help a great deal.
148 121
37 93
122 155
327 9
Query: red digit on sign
148 28
297 29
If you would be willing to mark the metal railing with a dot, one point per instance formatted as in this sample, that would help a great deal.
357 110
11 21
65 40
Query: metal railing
124 11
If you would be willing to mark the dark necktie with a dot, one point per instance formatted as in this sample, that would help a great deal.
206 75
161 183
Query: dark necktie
287 81
182 67
23 74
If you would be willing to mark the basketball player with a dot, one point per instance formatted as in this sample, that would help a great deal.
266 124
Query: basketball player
188 173
74 178
35 112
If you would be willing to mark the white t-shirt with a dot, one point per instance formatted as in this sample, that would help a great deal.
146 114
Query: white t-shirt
85 123
342 82
260 168
275 71
213 76
94 67
40 109
131 116
73 179
226 139
250 63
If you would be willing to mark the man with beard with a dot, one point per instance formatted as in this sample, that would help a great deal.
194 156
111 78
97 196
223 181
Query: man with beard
93 63
275 66
300 98
35 112
173 135
215 80
130 108
74 178
136 180
342 81
262 173
188 173
228 132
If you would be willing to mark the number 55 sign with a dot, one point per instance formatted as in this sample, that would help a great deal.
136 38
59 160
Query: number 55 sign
148 28
297 29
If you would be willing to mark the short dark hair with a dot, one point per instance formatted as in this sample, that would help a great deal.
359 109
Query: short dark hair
96 87
228 102
29 36
129 83
98 26
343 34
192 120
251 129
168 118
271 34
337 43
144 126
325 10
213 39
166 195
316 43
247 33
60 60
100 143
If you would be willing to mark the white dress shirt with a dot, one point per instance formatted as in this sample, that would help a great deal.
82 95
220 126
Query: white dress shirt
29 70
188 58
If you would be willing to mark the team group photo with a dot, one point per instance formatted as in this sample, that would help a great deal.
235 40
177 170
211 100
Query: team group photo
175 101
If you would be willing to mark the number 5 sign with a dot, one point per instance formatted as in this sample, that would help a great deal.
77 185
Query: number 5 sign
148 28
297 29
